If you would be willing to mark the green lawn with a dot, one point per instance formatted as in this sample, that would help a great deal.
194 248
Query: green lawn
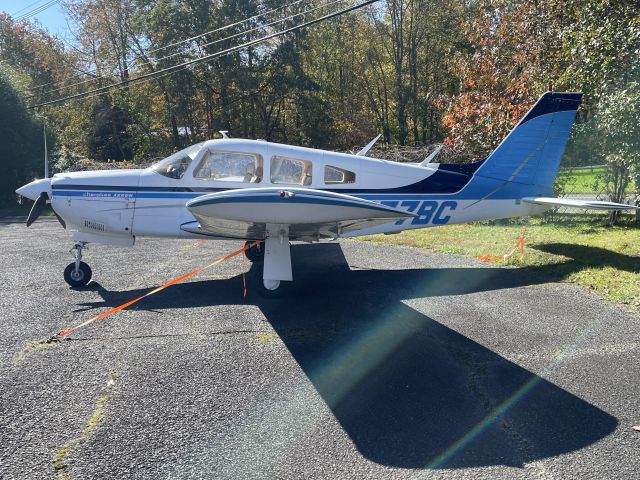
585 181
580 250
581 181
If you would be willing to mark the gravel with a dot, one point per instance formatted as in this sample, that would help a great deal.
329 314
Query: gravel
383 362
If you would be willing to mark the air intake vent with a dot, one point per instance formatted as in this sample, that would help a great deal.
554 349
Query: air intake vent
100 227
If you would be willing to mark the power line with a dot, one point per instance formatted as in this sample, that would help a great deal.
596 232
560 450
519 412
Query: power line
150 62
98 77
258 28
37 10
24 8
226 26
175 68
130 63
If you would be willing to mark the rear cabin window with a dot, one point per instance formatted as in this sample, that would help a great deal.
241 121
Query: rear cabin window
335 175
230 167
290 171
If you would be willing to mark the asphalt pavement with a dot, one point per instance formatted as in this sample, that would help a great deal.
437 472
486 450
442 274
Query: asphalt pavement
383 362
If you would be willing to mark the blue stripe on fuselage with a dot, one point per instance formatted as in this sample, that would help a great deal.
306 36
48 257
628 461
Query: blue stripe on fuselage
93 194
472 190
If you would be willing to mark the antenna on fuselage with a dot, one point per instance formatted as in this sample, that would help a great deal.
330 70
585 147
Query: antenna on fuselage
368 147
431 156
224 133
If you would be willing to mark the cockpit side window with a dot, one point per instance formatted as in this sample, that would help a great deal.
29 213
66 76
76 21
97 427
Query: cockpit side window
177 164
230 167
335 175
290 171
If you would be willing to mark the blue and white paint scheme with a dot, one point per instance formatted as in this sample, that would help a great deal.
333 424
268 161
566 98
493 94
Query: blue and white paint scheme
274 193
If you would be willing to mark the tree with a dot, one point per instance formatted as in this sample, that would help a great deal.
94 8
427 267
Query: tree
500 74
618 130
109 139
21 143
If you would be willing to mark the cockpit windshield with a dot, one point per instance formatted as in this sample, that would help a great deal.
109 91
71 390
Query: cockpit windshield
175 165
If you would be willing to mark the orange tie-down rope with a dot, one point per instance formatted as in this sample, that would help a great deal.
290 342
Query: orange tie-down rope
179 279
496 258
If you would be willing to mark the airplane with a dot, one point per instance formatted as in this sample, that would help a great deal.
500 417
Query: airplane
271 193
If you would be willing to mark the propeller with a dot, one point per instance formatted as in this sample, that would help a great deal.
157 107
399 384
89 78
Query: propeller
37 208
61 220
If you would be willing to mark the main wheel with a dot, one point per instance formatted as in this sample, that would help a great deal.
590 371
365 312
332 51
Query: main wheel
268 288
79 278
255 253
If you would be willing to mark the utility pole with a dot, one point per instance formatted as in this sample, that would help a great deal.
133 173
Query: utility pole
46 156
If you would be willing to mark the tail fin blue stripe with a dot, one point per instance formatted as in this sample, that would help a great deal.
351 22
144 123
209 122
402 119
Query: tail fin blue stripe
527 160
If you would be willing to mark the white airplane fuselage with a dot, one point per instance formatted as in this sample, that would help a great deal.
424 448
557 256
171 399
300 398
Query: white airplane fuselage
272 193
115 206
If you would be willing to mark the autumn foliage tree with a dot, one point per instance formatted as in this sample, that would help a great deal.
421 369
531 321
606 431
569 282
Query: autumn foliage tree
501 75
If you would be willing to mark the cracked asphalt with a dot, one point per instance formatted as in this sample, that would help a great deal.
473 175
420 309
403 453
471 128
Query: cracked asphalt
383 362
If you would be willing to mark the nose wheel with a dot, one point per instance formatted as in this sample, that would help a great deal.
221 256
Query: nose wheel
77 274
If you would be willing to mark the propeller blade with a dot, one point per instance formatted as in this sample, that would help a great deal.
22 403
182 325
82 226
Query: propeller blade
61 220
37 208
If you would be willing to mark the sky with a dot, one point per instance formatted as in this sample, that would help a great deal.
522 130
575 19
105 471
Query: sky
53 18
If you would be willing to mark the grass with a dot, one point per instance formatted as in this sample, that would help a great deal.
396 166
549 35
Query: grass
31 347
582 250
266 337
60 463
585 181
94 421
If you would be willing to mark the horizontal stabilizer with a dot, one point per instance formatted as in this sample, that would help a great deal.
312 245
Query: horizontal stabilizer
576 203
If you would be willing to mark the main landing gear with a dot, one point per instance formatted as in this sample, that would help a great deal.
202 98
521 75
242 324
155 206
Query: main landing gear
255 253
266 288
77 274
272 271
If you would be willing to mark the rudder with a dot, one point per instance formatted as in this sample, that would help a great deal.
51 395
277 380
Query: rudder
530 154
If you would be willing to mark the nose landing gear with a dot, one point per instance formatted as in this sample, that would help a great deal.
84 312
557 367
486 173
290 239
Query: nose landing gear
77 274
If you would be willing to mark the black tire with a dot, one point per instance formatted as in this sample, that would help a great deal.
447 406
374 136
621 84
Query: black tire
255 253
81 278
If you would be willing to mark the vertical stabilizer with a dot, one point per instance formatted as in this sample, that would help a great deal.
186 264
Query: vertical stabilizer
530 154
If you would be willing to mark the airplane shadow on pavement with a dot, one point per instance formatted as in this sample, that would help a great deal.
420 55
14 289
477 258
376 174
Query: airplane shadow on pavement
409 391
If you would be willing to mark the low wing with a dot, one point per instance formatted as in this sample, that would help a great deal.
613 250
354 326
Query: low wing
308 214
576 203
